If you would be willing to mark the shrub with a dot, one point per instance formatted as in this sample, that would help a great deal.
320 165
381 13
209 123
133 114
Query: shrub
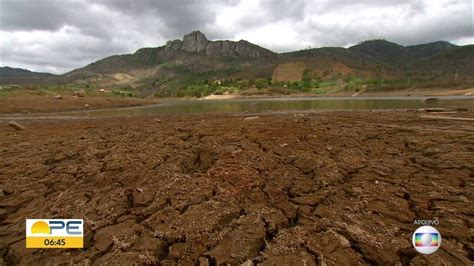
307 75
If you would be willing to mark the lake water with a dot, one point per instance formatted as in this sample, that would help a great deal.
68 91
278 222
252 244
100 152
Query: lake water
288 104
260 105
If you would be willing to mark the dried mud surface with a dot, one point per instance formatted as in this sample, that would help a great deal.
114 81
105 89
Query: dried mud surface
334 188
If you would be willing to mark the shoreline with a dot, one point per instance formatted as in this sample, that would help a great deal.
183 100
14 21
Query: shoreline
26 104
129 111
401 93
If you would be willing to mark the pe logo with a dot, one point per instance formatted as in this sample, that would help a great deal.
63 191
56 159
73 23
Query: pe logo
426 240
54 233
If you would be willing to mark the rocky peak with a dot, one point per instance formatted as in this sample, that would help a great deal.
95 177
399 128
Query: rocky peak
172 46
240 48
195 42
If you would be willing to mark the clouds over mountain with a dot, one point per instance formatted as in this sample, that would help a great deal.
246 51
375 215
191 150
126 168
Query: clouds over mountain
57 36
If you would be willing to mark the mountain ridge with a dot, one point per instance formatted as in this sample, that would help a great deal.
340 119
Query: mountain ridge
390 52
11 75
188 44
6 71
194 58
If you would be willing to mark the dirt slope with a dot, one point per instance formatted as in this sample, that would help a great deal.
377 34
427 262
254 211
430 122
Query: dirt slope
289 71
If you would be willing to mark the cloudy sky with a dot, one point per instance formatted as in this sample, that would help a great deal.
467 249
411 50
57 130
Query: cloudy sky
59 35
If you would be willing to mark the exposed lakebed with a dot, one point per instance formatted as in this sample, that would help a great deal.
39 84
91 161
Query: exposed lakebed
329 188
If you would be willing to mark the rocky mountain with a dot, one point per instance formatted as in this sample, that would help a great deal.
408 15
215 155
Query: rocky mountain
197 42
194 53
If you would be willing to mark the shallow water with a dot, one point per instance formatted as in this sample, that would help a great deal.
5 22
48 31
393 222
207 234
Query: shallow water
275 105
288 104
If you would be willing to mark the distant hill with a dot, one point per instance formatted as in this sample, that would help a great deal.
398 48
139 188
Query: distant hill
399 55
454 65
195 59
426 50
332 62
9 72
383 51
9 75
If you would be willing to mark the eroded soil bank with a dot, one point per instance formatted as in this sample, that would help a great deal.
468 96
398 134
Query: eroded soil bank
26 104
297 189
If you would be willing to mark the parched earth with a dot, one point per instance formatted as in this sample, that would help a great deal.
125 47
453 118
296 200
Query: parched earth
334 188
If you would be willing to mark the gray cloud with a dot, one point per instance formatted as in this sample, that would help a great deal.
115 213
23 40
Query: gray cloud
58 36
176 17
21 15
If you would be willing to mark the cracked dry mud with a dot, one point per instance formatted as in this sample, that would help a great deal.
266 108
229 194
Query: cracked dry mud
333 188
